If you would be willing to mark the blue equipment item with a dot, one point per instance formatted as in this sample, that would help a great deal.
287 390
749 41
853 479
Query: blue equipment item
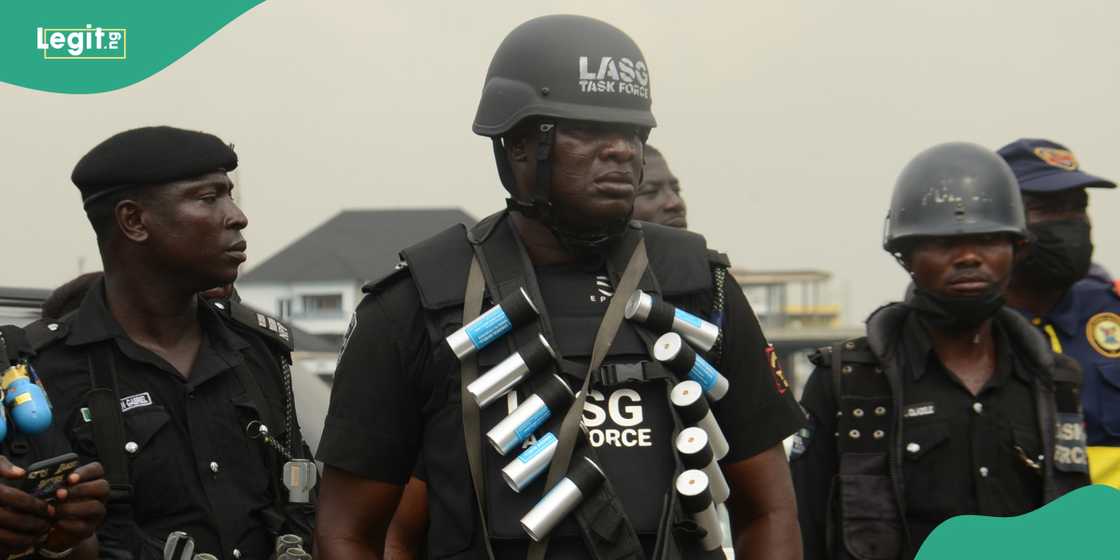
513 311
663 317
681 359
25 399
552 395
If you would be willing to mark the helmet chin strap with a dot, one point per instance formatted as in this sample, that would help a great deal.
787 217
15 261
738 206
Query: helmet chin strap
541 209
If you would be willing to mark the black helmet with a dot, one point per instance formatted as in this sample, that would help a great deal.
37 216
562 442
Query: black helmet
952 189
561 67
565 67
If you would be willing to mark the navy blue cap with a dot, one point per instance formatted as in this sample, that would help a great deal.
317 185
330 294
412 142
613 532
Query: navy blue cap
1043 166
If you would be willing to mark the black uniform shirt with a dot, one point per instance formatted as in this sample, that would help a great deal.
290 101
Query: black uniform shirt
386 389
962 454
194 469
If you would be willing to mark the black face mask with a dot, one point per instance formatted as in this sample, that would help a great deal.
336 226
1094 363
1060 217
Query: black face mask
1060 255
956 312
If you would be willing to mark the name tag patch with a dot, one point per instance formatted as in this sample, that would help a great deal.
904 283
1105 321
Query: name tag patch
918 410
135 401
1069 445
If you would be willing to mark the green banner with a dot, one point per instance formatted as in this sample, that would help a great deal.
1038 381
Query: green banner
75 46
1081 524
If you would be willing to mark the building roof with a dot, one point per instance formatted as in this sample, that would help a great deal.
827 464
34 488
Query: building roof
354 245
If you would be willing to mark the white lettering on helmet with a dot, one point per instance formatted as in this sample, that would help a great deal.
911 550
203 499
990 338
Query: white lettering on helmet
614 76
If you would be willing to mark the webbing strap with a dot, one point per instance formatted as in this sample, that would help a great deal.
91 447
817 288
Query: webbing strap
108 424
472 421
569 428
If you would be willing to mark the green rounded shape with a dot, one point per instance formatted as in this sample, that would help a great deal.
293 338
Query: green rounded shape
79 46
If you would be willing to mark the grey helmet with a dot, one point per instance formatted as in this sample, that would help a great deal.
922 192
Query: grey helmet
554 68
954 189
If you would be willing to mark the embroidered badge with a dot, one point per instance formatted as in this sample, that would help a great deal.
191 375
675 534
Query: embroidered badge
780 381
1069 444
135 401
1062 159
918 410
1103 332
262 321
87 416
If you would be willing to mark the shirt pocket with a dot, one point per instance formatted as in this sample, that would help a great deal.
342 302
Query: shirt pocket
1110 397
140 427
920 440
924 466
149 465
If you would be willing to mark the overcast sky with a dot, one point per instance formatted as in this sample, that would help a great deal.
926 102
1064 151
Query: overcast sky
787 122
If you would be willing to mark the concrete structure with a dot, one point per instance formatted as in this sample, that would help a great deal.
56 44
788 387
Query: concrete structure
788 298
315 283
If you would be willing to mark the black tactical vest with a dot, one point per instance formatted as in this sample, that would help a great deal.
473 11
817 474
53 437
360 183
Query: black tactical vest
867 519
680 269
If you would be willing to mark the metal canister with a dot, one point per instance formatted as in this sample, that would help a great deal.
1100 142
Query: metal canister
692 445
582 479
696 501
681 359
294 554
287 542
551 395
662 317
692 408
531 463
513 311
534 357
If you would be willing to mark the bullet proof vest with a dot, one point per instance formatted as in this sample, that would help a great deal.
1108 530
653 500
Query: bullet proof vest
868 520
680 270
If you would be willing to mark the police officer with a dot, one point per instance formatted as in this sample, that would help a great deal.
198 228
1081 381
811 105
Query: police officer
170 392
949 405
659 196
65 528
1078 315
567 105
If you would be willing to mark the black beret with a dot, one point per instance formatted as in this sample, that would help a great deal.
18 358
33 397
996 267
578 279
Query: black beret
149 156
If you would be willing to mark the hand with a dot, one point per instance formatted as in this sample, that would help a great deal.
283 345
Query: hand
24 519
80 508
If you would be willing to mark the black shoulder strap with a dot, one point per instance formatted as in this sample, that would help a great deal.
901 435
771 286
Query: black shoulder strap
275 331
108 424
472 421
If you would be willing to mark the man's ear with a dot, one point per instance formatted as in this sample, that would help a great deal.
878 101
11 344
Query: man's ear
1020 249
517 148
130 219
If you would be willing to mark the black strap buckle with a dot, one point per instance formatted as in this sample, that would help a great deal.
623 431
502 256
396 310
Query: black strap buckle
617 374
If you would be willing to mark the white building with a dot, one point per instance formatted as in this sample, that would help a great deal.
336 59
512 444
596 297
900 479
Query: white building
315 283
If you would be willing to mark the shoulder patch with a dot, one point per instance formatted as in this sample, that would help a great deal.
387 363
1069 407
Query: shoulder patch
270 327
780 382
374 286
1103 332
